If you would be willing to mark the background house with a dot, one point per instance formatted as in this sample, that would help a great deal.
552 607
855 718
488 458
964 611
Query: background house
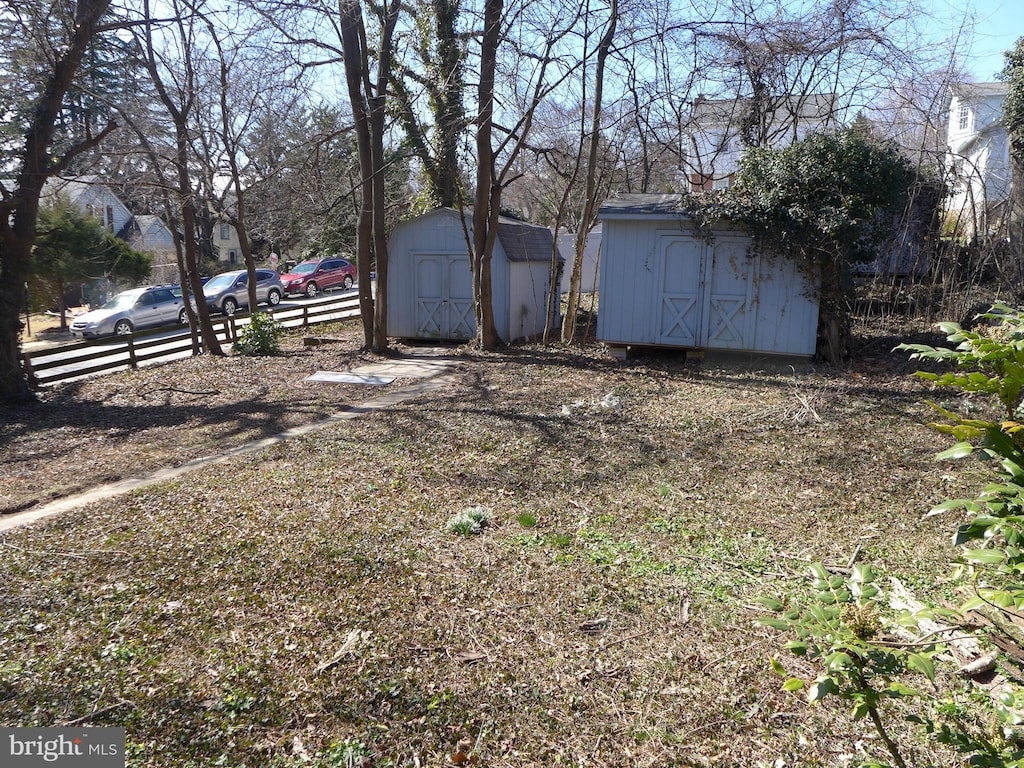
226 247
430 285
149 234
143 233
721 128
664 284
978 158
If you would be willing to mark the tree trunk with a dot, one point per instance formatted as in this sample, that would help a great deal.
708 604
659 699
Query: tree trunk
377 115
20 211
356 63
185 202
488 191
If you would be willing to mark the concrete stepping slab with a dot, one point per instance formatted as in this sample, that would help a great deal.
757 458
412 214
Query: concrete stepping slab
330 377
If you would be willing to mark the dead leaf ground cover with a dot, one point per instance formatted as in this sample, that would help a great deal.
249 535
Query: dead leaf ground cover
307 605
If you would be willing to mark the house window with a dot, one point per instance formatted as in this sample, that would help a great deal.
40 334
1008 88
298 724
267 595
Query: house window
721 182
232 256
110 217
963 118
225 231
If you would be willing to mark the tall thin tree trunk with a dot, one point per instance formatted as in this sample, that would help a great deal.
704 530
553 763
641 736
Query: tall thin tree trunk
377 103
352 34
488 191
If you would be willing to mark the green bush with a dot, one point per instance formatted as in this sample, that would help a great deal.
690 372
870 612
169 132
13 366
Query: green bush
847 630
262 336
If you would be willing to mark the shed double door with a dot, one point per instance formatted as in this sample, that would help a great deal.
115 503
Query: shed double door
707 292
444 296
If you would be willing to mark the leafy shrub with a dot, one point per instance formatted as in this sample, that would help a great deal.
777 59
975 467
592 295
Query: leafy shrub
262 336
990 361
825 202
840 628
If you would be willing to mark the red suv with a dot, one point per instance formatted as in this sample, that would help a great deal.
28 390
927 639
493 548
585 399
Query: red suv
311 277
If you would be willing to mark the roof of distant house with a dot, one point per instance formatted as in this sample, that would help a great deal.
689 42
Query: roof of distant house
810 106
978 90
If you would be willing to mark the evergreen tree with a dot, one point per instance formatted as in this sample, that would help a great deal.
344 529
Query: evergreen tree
72 247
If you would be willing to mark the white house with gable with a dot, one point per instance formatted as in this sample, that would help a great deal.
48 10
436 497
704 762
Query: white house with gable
718 128
142 233
978 157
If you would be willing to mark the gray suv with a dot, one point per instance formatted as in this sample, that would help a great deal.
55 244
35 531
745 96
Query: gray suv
130 310
230 290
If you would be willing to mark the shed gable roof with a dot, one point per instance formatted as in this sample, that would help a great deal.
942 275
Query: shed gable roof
521 241
645 204
525 242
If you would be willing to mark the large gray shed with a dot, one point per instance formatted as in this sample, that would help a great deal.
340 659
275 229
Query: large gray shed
430 285
664 284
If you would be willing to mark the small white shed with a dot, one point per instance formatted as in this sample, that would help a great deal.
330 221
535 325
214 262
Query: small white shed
664 284
430 285
591 253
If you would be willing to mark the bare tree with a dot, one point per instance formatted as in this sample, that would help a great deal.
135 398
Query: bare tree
246 83
322 35
174 74
590 201
368 100
534 71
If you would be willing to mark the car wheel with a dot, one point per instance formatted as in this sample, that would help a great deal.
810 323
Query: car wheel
274 297
182 316
229 306
312 290
122 327
347 282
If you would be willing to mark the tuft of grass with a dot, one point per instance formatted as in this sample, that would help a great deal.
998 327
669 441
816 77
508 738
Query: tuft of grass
527 519
469 521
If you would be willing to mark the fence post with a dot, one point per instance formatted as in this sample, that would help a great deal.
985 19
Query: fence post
30 375
132 362
232 329
305 316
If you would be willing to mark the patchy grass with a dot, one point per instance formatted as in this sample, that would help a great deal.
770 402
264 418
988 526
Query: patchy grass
306 606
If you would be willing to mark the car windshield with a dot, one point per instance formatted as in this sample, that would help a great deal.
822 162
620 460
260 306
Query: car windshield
122 301
305 268
220 282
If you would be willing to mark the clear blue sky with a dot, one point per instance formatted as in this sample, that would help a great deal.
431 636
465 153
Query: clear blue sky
999 23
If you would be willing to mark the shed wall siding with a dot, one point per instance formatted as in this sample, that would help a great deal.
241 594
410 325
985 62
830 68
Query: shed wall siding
527 303
434 234
663 285
437 233
788 313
